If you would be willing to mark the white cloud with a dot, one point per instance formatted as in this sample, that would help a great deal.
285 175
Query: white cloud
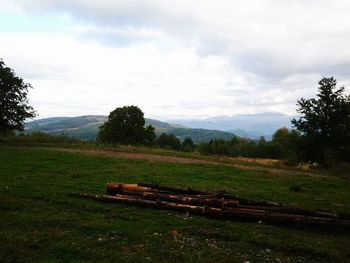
77 78
180 58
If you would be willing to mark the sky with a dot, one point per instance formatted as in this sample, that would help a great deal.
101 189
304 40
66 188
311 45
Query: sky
174 59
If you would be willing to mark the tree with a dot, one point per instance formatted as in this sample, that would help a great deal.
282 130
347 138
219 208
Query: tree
281 136
169 141
289 141
188 145
150 135
126 125
14 107
325 124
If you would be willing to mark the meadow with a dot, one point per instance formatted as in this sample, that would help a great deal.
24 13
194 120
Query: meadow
41 223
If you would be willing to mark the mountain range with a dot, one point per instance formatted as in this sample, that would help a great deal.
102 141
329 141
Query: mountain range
87 128
200 130
245 125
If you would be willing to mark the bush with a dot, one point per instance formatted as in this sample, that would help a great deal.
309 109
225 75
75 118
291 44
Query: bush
37 137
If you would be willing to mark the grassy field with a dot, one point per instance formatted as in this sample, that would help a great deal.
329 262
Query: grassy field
47 141
40 223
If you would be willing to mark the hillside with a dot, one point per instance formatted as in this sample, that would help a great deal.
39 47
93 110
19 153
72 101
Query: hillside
87 127
81 127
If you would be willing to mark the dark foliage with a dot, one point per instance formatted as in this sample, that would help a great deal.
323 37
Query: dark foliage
126 125
188 145
150 135
199 135
325 125
36 138
242 147
168 141
289 142
14 107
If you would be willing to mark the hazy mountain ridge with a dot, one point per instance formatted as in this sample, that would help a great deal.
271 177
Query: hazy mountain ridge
87 128
200 130
56 124
244 125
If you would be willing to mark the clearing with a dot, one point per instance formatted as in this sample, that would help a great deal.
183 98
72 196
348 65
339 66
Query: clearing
41 223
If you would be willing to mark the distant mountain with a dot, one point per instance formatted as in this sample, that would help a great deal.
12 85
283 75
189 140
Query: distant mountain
162 126
243 133
201 135
87 127
245 125
81 127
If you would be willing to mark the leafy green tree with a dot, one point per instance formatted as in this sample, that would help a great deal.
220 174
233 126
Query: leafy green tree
168 141
219 146
14 106
325 124
281 136
289 141
188 145
126 125
150 135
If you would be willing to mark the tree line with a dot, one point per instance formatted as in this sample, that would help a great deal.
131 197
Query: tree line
126 125
321 134
275 149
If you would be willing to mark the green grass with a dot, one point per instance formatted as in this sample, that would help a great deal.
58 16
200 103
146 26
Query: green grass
40 223
40 139
44 140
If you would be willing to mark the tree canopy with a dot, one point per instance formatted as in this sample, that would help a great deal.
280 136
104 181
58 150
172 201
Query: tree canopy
188 145
14 106
126 125
325 124
289 142
169 141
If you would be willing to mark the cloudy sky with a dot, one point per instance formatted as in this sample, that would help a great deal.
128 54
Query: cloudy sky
174 59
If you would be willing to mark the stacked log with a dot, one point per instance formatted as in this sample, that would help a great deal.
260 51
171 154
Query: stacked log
214 205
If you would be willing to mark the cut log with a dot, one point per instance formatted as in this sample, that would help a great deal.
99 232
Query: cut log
207 200
245 201
197 210
292 210
152 194
218 194
276 217
231 213
115 188
214 199
175 190
191 200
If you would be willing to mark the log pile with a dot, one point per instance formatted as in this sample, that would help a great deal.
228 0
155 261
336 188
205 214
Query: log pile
214 205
